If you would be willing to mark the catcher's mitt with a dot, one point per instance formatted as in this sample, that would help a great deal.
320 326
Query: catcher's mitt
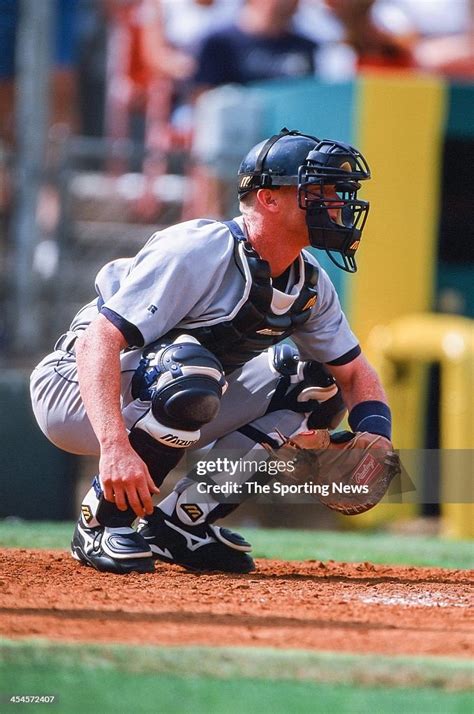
350 472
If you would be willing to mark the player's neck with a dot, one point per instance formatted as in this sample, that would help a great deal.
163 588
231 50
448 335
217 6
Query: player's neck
278 269
279 256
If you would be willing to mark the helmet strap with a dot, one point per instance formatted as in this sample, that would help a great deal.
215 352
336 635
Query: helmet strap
262 155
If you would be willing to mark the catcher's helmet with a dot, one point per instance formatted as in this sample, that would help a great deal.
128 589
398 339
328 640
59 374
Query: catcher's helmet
275 161
291 158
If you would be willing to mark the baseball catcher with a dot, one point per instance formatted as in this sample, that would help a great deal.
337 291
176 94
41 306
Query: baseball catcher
185 346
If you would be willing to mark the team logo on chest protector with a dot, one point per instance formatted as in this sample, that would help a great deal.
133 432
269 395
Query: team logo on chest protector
269 331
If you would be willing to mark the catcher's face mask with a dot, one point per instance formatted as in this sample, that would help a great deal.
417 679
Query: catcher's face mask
328 181
327 175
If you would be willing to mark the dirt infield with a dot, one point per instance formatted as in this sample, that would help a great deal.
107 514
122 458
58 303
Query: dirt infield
314 605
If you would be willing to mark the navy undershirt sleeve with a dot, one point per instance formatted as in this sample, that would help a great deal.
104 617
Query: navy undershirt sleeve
131 333
346 358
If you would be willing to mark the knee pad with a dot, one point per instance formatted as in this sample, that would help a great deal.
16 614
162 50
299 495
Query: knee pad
306 387
184 383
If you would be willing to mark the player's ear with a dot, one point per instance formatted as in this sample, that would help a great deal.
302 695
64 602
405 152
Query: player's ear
267 199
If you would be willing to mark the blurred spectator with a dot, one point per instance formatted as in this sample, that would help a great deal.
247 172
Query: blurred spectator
434 18
314 19
187 22
371 34
436 35
377 42
447 28
63 95
261 44
63 91
451 56
92 45
143 68
139 55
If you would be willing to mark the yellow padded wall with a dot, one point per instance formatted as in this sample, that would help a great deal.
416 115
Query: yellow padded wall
400 122
399 129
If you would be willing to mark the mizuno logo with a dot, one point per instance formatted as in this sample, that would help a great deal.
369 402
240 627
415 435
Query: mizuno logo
161 551
193 542
174 440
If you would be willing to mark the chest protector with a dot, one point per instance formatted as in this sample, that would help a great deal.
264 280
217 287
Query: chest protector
255 327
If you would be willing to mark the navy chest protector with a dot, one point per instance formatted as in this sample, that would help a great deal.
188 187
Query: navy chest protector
255 328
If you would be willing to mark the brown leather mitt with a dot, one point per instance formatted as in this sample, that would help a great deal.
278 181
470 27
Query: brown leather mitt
350 472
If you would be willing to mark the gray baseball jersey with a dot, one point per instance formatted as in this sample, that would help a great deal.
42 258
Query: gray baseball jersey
189 275
186 275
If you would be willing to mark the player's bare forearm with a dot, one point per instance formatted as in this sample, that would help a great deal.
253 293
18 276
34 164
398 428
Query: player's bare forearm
358 382
124 477
98 356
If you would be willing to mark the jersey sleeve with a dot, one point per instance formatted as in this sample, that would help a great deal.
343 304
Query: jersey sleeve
168 277
326 336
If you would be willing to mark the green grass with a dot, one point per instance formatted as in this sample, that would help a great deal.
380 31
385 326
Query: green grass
375 547
287 544
245 662
15 533
78 691
117 678
199 680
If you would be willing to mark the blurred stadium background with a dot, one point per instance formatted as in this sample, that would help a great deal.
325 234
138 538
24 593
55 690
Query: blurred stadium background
101 146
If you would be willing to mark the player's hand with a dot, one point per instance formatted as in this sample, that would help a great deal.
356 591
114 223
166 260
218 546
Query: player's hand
126 480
